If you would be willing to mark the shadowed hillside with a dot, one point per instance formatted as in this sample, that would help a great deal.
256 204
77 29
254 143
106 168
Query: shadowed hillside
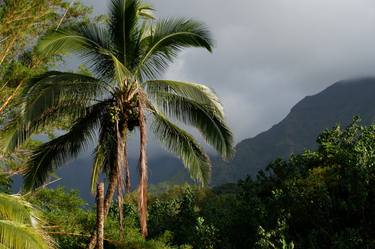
335 105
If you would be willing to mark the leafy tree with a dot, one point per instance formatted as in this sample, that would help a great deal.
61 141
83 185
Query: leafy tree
22 23
125 58
325 197
58 204
317 199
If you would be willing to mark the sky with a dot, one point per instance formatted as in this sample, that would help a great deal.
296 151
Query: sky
269 54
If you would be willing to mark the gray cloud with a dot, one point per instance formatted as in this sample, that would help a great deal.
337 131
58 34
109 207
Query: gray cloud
271 53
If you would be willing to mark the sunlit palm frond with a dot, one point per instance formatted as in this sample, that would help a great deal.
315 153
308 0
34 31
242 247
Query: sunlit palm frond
124 26
145 10
169 36
14 208
16 131
204 118
121 72
46 101
14 235
20 225
184 146
197 92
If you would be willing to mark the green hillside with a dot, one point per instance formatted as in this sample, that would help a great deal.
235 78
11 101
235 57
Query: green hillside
335 105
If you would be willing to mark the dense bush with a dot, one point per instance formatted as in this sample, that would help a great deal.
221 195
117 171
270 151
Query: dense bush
318 199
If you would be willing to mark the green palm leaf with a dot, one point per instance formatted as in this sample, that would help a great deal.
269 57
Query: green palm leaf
124 27
168 37
184 146
195 105
55 152
90 42
14 235
15 208
48 90
197 92
47 98
105 152
19 225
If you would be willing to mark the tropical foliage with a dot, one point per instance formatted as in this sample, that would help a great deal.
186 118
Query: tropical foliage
20 225
125 58
22 23
318 199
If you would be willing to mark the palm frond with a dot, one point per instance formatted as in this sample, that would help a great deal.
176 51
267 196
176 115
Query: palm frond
91 42
124 15
49 89
14 235
14 208
145 10
16 131
183 145
195 105
197 92
98 166
46 101
121 72
105 151
170 36
54 153
20 225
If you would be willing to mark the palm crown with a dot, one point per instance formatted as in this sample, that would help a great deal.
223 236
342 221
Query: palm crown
125 58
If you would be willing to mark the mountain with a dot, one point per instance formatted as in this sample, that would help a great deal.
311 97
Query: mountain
337 104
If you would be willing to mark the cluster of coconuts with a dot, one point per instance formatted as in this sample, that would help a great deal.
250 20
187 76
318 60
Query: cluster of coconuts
130 112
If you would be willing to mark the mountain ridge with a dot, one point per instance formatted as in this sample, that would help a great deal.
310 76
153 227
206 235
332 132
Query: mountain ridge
337 104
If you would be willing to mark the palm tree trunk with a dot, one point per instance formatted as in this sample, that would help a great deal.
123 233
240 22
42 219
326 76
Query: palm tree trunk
107 203
126 163
120 166
100 216
142 191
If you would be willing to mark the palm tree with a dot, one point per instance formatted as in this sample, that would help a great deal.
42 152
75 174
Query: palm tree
126 58
20 225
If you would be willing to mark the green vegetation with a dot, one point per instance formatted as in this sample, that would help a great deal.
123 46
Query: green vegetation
317 199
323 198
20 225
123 57
22 23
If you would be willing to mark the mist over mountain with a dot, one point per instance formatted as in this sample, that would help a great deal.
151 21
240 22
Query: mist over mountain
336 105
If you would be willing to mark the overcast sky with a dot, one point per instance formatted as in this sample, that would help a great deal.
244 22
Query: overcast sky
271 53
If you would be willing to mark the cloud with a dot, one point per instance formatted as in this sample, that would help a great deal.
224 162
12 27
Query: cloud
271 53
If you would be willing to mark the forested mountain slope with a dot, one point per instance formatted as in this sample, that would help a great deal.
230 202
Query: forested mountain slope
335 105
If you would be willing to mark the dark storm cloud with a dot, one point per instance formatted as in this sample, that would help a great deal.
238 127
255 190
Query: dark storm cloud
271 53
